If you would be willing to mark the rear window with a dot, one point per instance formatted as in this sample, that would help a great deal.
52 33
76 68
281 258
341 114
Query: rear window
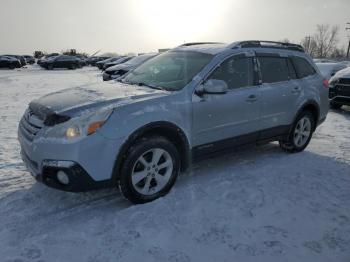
303 67
273 69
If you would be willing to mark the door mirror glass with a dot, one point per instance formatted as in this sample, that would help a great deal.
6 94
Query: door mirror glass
215 86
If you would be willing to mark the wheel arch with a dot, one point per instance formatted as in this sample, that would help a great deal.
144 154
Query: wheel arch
162 128
313 107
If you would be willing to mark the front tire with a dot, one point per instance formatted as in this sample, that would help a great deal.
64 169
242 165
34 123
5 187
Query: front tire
301 133
150 170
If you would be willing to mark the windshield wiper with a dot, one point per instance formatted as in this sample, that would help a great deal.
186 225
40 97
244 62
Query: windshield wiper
139 84
149 85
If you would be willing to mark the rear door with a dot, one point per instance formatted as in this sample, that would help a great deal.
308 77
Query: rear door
59 62
219 117
280 91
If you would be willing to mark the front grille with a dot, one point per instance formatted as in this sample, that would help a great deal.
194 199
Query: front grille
342 89
30 125
344 81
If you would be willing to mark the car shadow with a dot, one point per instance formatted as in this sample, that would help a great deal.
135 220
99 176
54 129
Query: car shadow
247 179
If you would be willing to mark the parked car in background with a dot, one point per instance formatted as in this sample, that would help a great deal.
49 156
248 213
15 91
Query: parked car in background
121 69
29 59
42 59
339 89
82 59
117 62
21 59
138 133
346 63
9 62
330 69
61 61
93 60
324 60
101 63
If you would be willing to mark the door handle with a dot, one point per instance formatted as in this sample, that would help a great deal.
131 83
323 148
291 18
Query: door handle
296 90
252 98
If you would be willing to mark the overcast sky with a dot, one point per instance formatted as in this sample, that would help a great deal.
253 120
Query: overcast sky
145 25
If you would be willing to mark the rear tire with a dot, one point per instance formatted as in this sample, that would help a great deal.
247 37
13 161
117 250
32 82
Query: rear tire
150 170
301 133
50 67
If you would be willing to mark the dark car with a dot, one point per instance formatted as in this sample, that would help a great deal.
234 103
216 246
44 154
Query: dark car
117 62
93 60
21 59
62 61
100 64
82 59
29 59
339 89
121 69
9 62
46 57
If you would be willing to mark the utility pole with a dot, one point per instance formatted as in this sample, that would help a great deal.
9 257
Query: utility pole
308 43
348 53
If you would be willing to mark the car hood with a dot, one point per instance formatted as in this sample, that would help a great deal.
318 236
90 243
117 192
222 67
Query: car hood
70 102
345 73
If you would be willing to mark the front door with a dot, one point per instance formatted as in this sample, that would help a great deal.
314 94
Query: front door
233 116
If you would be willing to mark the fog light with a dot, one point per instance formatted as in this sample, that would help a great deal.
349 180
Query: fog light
62 177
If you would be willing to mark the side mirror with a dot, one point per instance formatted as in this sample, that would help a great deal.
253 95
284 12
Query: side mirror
213 86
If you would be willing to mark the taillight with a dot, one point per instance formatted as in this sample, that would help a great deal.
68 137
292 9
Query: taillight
325 83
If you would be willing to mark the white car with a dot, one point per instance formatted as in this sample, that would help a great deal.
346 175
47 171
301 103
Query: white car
330 69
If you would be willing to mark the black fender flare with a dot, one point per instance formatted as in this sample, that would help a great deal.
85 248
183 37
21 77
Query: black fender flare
162 128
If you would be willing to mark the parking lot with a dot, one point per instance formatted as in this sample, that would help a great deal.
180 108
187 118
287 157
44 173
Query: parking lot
254 201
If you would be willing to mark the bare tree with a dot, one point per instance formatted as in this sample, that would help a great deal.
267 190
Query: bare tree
338 53
309 45
285 40
326 40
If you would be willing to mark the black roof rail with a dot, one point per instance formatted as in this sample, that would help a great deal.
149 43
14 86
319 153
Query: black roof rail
266 44
200 43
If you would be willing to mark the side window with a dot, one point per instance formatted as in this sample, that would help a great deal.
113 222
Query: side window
236 72
303 67
273 69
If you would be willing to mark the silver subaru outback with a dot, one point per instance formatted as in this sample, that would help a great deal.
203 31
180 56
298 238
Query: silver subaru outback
140 132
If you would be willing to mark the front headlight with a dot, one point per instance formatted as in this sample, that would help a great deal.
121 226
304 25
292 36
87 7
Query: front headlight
84 125
333 81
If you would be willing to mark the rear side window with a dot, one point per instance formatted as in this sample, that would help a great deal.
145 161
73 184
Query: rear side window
273 69
237 72
303 67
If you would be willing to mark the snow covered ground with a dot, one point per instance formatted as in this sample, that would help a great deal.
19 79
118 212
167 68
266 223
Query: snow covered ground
254 204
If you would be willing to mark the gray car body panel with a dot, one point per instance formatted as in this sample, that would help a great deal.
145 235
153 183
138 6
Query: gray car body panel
203 119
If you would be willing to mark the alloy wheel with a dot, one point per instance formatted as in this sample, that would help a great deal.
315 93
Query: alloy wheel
152 171
302 131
